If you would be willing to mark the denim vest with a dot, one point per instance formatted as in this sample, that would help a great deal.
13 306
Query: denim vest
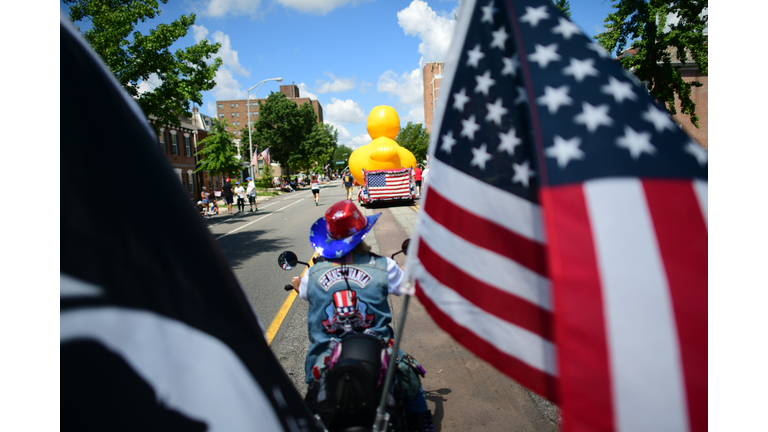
334 311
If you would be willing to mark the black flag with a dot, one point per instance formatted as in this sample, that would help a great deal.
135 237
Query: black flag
156 332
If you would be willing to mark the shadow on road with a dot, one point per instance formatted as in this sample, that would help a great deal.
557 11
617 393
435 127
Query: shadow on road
436 396
244 245
386 204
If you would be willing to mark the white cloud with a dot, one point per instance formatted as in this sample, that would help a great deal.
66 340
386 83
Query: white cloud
150 84
360 140
304 92
338 85
227 86
344 111
409 87
415 115
364 86
344 134
315 6
435 32
228 55
211 107
220 8
200 32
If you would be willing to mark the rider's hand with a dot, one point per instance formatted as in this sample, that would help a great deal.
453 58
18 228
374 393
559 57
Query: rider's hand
296 281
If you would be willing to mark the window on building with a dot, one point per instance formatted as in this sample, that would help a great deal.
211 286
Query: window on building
174 144
237 114
221 115
190 182
237 106
221 106
231 105
231 114
187 146
163 146
238 123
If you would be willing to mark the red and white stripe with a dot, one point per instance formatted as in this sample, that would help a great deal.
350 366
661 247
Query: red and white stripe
398 185
480 270
628 260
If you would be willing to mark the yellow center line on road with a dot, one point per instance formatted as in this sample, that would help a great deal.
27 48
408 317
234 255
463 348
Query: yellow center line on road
278 320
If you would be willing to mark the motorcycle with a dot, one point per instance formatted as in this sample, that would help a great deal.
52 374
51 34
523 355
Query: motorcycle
349 395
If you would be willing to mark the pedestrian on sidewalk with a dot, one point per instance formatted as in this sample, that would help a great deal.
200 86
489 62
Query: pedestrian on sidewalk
251 192
417 177
240 192
228 197
205 197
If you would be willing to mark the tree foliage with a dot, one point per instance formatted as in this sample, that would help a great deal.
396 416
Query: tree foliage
318 147
135 57
642 25
218 155
283 126
415 138
342 153
564 6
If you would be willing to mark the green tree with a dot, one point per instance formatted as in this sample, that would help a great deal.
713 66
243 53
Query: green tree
564 6
267 174
319 146
342 153
642 25
283 127
134 57
415 138
218 155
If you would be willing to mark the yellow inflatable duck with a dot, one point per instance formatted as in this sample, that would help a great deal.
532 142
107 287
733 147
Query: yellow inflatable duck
383 152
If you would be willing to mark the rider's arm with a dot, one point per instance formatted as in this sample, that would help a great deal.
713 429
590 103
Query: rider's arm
300 285
395 275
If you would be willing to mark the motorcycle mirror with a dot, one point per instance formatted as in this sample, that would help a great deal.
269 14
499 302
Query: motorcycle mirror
404 247
288 260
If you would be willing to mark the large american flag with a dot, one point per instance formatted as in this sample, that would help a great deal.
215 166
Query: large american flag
563 236
388 184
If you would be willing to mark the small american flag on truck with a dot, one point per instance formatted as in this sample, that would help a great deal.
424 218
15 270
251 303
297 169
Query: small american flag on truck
388 184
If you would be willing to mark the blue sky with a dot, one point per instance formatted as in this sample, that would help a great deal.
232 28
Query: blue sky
351 55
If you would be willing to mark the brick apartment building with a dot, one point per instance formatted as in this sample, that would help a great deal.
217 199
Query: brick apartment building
433 76
236 111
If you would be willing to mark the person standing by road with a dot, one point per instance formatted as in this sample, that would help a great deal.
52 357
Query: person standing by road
251 192
315 186
417 177
240 192
349 184
228 197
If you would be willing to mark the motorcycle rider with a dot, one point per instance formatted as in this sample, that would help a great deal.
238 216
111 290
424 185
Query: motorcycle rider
348 292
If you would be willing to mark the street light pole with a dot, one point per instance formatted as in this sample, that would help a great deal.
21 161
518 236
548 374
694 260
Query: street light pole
250 120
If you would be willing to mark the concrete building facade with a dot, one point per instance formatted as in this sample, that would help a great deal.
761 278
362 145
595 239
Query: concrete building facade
433 76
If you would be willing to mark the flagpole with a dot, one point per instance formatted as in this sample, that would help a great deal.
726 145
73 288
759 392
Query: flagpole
250 120
382 416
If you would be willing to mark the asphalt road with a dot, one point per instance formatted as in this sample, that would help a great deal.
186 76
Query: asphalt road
463 392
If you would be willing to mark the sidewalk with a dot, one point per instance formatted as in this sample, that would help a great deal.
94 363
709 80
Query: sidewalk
223 206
